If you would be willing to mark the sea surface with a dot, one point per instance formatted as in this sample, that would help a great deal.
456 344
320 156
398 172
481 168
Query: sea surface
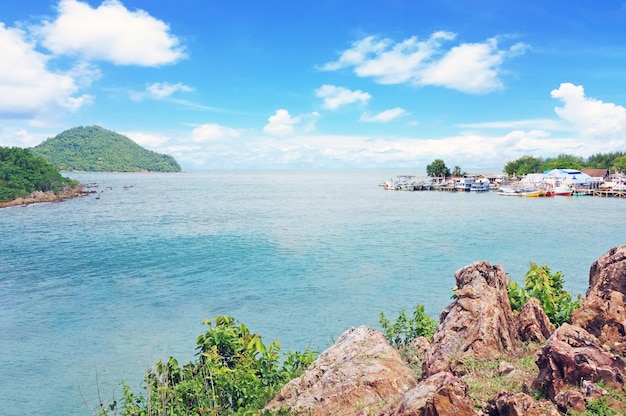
94 290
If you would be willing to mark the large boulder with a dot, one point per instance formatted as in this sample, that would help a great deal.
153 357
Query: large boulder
603 311
479 323
359 374
441 394
572 355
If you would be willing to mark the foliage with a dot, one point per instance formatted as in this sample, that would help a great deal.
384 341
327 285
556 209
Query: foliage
93 148
546 287
530 164
458 172
235 373
523 166
404 329
22 173
437 168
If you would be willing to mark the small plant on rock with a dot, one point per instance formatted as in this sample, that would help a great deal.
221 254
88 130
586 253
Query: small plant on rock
405 329
546 287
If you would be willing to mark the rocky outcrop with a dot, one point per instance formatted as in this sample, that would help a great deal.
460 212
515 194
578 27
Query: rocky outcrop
479 323
533 323
359 374
37 197
440 394
603 311
520 404
572 355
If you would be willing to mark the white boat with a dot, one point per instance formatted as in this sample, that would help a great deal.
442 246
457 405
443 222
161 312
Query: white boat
508 191
479 186
562 189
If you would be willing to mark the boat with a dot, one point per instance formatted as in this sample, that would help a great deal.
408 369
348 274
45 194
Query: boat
508 191
533 193
479 186
563 189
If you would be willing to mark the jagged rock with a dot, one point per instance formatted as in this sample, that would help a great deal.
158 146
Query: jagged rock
505 368
592 391
478 323
520 404
572 355
570 400
533 323
441 394
603 311
359 374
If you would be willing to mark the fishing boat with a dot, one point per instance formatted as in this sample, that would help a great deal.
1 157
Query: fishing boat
563 189
533 193
508 191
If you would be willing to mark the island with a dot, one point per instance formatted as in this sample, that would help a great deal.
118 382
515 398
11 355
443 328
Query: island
26 179
95 149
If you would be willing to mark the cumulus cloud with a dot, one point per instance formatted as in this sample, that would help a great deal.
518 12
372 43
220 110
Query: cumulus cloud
592 118
148 140
212 132
384 116
28 88
111 33
334 97
162 90
281 123
468 67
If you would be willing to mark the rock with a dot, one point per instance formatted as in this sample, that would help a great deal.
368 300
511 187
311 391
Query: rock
359 374
478 323
570 400
592 392
603 312
533 323
521 404
505 368
572 355
441 394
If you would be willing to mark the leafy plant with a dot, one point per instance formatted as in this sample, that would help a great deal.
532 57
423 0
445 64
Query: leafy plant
546 287
405 328
235 373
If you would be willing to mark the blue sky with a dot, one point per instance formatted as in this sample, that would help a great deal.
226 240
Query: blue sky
320 84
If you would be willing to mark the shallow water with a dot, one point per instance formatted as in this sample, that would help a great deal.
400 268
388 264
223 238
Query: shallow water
94 290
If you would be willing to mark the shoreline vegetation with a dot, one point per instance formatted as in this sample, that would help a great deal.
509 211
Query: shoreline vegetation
39 197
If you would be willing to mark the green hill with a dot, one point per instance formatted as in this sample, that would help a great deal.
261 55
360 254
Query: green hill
93 148
21 173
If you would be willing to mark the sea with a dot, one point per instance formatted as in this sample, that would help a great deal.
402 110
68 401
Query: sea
94 290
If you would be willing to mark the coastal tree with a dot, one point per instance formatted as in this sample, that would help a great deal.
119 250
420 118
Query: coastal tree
563 161
458 172
523 166
619 164
437 168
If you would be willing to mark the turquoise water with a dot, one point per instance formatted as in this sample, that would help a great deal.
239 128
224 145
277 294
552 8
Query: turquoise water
94 290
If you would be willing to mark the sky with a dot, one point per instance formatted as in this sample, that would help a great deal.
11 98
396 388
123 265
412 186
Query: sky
324 84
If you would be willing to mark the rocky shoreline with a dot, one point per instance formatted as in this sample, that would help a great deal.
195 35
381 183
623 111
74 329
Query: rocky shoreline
478 345
38 197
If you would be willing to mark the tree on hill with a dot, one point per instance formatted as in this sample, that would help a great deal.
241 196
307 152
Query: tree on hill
94 148
22 173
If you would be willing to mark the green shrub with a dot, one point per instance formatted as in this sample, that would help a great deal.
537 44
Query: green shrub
546 287
404 329
235 373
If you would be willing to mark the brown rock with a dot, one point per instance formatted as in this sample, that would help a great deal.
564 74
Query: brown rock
570 400
359 374
441 394
572 355
478 323
521 404
533 323
603 312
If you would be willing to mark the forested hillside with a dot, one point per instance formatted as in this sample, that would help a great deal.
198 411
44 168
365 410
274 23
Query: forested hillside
22 173
94 148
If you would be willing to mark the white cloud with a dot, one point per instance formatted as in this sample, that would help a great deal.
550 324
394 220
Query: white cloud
281 123
150 141
28 89
162 90
593 119
334 97
211 132
468 67
384 116
112 33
